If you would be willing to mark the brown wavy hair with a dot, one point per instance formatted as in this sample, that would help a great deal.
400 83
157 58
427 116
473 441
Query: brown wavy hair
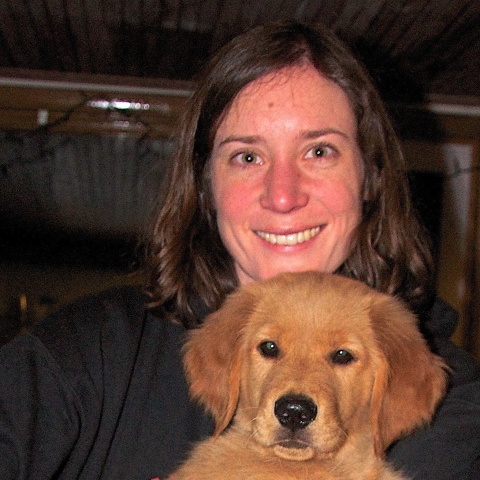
190 265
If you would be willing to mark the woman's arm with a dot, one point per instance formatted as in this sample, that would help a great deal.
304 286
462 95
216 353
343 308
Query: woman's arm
39 412
450 448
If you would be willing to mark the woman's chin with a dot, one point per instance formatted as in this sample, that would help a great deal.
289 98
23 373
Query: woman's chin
246 277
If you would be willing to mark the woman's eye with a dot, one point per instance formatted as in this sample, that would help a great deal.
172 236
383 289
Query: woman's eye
320 151
247 158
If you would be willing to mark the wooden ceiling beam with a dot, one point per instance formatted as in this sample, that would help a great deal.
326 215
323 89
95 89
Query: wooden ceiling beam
81 103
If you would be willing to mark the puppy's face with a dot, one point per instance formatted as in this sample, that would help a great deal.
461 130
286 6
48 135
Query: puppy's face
307 362
308 369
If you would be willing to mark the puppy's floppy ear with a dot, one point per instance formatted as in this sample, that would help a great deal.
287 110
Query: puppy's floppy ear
212 358
410 380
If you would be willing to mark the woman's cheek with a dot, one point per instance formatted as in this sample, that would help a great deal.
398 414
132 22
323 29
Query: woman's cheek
340 197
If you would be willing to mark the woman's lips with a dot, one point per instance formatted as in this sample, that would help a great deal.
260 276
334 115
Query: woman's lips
291 238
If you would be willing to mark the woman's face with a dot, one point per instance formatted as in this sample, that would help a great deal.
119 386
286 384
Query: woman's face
286 175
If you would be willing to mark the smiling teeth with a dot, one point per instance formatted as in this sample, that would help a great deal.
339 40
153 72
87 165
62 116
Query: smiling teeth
290 239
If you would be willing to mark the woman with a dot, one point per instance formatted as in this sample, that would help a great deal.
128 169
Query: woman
389 252
286 161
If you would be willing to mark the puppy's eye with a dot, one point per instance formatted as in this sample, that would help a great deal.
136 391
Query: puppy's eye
342 357
269 349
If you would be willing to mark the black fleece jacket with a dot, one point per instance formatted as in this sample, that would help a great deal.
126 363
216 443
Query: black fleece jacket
97 391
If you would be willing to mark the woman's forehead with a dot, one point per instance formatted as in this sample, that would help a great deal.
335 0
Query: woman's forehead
299 92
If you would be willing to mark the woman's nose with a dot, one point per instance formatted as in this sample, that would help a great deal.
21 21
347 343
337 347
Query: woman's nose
284 188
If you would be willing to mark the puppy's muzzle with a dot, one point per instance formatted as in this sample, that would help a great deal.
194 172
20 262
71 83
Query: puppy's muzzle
295 411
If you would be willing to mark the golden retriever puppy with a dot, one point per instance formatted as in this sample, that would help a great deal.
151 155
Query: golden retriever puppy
308 376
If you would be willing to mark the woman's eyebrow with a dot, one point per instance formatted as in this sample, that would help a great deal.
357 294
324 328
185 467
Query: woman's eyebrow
249 139
312 134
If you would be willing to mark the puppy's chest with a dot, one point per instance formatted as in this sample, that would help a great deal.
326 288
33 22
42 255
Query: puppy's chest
223 459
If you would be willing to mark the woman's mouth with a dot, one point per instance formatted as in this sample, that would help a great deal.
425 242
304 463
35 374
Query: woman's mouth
291 238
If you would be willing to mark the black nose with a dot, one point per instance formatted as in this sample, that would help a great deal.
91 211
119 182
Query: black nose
295 411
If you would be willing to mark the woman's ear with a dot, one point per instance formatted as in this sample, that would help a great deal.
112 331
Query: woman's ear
410 380
212 358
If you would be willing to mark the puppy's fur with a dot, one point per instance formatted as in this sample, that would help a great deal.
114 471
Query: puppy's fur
308 376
